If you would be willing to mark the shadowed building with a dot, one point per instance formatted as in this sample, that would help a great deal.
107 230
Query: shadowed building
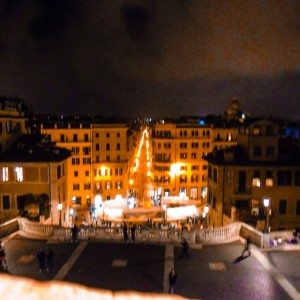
261 166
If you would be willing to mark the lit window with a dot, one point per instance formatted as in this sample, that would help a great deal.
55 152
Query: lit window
19 174
5 174
256 182
269 181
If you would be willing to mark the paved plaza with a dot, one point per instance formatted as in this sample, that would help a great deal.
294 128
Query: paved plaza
209 273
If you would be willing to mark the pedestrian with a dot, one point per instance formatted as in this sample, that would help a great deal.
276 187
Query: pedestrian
74 232
132 229
172 281
185 247
50 259
125 233
3 263
41 256
247 247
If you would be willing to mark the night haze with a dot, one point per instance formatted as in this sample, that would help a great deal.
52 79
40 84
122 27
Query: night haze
151 58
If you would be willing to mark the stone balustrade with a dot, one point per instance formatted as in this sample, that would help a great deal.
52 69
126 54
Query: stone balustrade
12 287
9 227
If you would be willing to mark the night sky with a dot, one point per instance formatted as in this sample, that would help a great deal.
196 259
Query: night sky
151 58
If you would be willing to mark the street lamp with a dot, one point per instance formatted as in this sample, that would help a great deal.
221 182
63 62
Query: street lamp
59 207
266 202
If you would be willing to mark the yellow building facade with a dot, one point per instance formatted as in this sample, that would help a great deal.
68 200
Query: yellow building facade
98 163
178 156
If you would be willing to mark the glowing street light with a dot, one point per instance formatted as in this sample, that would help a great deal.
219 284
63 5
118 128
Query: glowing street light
59 207
266 202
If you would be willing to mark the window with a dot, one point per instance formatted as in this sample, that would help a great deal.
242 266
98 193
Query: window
298 207
97 158
86 137
297 178
75 173
75 137
194 167
269 178
284 178
76 186
183 179
158 145
183 145
194 178
118 134
19 174
97 147
86 150
58 170
6 201
282 207
107 147
118 171
108 158
97 135
87 173
118 147
86 160
205 145
167 145
118 158
76 200
118 185
75 161
108 185
87 186
75 150
270 151
257 151
256 130
183 168
183 155
62 138
5 174
107 134
195 145
256 178
194 155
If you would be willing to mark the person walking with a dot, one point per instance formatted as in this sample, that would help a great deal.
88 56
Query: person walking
50 259
41 256
247 248
132 229
74 232
172 281
185 247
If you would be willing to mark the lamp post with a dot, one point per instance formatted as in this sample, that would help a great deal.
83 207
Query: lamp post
59 207
266 202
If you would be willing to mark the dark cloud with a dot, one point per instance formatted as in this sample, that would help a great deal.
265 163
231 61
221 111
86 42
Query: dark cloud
150 57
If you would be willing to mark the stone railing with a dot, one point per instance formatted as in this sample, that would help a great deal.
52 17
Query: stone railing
219 235
9 227
21 288
34 229
256 237
116 233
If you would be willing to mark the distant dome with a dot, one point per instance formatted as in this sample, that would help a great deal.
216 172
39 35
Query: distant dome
233 109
